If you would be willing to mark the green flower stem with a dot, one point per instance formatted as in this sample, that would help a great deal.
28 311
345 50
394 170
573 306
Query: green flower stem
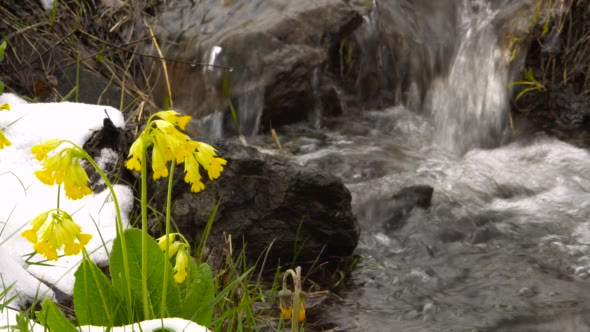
119 231
168 211
58 194
144 236
296 278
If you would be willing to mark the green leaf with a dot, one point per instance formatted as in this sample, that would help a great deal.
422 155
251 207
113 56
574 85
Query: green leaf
234 113
155 278
53 319
2 49
523 92
200 293
95 299
53 12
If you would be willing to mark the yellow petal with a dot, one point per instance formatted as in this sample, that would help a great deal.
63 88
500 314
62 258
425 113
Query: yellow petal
159 161
45 176
31 235
72 248
301 316
133 164
84 238
197 186
181 265
216 168
41 150
174 118
39 220
75 192
3 140
286 313
46 250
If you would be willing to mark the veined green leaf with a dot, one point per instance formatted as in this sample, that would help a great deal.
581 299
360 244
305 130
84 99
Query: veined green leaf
200 293
53 319
155 278
95 299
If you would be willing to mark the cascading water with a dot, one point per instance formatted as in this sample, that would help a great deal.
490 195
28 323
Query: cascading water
505 244
469 106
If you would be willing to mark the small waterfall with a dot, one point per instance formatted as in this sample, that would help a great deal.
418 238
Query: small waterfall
249 108
469 106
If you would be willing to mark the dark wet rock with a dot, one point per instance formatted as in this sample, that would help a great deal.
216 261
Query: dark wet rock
485 234
404 202
450 235
276 49
302 213
109 147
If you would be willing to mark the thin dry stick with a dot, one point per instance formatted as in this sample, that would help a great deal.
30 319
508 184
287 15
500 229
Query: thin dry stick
163 62
275 138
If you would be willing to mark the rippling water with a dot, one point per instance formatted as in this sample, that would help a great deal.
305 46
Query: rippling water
504 244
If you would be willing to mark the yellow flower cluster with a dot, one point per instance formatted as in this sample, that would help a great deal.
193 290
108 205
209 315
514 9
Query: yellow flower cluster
178 248
3 140
163 132
63 167
53 229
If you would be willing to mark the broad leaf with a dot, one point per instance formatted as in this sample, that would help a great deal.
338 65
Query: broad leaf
95 299
155 278
53 319
200 293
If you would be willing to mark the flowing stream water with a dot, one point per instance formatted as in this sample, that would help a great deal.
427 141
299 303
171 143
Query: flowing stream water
505 243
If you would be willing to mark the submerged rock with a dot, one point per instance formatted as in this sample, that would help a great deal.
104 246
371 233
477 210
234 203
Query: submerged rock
404 202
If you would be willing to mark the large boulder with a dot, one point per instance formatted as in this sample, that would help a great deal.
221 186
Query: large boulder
305 214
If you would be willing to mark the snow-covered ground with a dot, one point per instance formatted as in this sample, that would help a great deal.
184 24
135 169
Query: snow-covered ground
8 317
22 196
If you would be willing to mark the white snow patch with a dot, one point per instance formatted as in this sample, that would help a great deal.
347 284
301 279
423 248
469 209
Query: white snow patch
8 318
22 196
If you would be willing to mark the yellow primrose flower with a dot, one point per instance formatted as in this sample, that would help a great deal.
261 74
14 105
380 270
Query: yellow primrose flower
181 265
163 133
178 248
285 302
207 156
301 316
174 118
134 163
192 174
173 245
40 151
63 167
53 229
